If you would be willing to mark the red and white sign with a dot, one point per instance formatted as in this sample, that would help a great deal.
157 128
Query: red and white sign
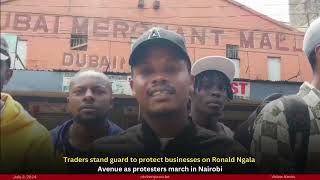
241 89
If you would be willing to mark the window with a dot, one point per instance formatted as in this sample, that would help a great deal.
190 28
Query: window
233 54
79 42
141 4
274 69
237 66
232 51
21 61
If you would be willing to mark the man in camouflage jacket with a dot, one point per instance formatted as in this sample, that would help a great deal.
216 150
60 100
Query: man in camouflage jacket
271 141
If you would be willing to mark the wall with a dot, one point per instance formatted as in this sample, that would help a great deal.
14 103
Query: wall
207 26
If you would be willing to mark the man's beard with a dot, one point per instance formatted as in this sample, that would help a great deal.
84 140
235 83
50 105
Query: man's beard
91 121
166 115
163 114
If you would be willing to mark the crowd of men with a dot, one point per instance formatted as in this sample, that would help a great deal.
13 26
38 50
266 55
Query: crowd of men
181 105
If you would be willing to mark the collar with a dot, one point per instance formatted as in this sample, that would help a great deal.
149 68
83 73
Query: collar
64 135
307 84
107 125
311 96
152 142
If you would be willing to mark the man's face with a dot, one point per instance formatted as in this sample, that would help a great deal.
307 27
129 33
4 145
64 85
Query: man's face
210 93
5 73
90 99
161 82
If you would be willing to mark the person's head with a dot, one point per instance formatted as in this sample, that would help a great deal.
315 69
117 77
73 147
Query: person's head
212 87
90 97
5 60
311 44
160 66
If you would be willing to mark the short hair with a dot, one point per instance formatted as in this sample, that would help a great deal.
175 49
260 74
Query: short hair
223 77
89 73
141 53
312 60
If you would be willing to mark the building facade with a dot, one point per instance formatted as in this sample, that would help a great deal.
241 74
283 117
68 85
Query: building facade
62 37
70 35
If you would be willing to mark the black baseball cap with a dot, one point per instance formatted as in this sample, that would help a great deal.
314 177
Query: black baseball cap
155 35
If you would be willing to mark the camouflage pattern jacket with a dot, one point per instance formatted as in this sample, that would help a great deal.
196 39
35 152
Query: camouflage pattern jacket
271 144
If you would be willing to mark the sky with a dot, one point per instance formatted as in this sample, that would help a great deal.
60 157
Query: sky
276 9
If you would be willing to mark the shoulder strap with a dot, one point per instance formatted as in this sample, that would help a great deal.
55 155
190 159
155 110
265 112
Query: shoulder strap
297 115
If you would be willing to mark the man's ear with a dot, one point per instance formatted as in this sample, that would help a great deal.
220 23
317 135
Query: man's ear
132 87
317 50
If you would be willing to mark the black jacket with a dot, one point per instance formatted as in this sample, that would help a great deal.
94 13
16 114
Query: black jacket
140 140
194 142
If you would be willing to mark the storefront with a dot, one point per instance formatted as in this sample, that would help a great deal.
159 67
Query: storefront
44 96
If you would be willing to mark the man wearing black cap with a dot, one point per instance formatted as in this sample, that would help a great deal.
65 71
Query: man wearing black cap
161 82
287 141
212 88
